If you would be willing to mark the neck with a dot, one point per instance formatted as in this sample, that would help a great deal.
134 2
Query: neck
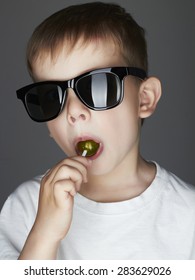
125 182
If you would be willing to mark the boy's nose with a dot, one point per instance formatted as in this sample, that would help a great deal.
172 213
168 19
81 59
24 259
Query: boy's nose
76 111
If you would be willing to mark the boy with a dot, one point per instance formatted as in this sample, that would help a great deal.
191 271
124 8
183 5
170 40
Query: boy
104 201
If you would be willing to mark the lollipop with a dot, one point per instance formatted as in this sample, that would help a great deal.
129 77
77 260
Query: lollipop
87 148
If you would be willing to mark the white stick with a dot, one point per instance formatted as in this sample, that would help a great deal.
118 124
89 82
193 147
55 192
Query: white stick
84 153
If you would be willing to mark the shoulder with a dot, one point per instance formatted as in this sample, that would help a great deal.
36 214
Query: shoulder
17 217
28 189
25 197
174 186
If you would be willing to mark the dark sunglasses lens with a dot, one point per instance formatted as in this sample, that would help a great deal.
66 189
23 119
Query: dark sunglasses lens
100 90
44 102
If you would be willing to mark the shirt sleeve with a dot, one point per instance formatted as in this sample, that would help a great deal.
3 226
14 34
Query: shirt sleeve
16 219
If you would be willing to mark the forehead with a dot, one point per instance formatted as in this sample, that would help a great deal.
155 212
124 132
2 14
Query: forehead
67 64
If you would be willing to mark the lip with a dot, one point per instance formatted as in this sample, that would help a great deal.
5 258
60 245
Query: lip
89 137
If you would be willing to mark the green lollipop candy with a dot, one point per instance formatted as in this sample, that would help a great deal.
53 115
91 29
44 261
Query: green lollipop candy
91 147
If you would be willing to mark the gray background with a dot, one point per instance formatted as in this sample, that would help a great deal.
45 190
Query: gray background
168 137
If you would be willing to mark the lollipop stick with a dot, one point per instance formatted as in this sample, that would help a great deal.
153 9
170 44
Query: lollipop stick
84 153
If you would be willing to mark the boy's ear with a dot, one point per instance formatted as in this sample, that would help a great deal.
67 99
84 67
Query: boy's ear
150 93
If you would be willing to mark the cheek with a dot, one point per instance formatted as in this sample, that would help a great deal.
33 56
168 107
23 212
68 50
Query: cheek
125 117
120 126
58 133
120 134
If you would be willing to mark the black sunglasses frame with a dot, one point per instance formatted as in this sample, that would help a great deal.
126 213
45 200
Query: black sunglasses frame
119 72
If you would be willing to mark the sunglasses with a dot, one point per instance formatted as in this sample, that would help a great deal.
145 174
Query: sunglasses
98 90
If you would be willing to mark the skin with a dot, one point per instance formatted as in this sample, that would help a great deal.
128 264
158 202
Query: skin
118 174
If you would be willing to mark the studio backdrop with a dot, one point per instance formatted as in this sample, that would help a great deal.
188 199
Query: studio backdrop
168 136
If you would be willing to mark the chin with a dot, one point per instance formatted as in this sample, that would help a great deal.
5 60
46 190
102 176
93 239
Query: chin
101 169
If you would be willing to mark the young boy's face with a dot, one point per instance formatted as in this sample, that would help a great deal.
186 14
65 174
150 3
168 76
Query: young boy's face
116 129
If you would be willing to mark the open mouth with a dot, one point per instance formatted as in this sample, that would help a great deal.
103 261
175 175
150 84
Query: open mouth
88 148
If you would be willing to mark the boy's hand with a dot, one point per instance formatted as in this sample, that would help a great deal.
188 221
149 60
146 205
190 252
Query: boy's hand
57 191
54 214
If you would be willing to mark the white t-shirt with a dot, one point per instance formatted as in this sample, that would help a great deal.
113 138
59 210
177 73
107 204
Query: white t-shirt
158 224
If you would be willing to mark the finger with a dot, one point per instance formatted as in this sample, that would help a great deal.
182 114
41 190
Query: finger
77 163
63 190
84 160
66 172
